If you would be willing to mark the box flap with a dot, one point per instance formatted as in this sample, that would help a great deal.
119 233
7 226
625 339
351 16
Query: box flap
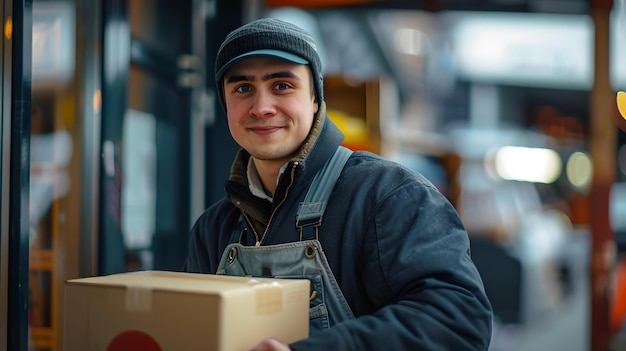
145 281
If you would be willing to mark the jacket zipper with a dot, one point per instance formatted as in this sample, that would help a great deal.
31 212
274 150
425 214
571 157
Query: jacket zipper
269 223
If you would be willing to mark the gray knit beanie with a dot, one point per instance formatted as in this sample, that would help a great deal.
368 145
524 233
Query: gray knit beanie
269 37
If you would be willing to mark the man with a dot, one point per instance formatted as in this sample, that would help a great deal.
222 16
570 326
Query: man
386 253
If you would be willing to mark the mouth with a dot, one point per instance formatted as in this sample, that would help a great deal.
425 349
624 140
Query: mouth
265 130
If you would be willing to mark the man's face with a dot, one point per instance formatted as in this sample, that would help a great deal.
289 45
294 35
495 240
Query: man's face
270 106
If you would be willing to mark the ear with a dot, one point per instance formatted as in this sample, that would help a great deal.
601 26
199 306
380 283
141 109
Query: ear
315 103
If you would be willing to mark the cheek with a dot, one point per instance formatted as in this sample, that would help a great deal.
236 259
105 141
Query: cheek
233 122
234 111
306 118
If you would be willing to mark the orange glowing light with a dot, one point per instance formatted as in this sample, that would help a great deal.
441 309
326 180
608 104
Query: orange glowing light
8 28
621 103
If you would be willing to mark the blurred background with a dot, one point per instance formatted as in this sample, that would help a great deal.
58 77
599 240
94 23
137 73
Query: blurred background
507 106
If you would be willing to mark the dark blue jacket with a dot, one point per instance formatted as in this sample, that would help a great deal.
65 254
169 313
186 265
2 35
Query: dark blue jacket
395 244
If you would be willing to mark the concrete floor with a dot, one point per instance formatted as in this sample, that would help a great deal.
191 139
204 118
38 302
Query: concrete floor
562 328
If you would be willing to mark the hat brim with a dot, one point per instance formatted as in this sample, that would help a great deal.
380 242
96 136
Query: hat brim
262 53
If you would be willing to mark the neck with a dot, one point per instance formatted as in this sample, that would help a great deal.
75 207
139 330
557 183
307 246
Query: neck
268 172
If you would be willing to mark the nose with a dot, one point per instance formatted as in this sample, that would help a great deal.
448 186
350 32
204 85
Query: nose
262 105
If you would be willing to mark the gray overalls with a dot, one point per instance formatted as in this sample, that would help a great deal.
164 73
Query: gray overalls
302 259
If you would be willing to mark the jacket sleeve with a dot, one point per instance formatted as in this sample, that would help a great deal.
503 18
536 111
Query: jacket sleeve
418 271
208 237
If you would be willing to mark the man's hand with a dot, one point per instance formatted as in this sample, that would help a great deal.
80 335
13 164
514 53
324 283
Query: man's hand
271 344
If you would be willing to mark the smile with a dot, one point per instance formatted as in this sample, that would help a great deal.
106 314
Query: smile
264 130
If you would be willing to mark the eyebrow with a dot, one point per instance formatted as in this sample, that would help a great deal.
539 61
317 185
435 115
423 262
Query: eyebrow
235 79
282 74
266 77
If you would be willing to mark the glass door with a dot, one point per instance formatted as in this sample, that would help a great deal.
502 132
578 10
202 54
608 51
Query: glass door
109 162
64 146
148 76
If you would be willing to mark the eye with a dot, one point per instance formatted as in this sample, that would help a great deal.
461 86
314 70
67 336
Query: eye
282 86
243 89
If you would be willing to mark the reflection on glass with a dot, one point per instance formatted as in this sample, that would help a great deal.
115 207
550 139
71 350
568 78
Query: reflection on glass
139 191
53 209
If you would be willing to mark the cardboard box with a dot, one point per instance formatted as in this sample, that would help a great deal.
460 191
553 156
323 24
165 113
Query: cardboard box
168 311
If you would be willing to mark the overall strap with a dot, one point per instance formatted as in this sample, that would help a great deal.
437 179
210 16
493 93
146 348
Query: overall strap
311 210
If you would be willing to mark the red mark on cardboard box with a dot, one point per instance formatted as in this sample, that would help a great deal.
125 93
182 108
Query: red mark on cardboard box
133 340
